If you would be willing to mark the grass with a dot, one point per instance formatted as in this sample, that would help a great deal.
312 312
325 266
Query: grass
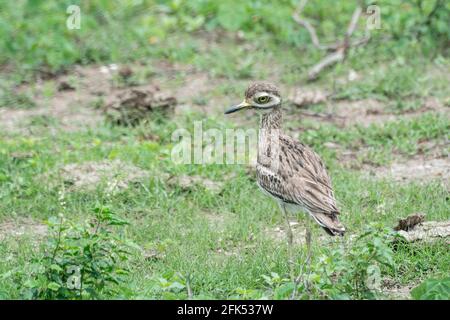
225 243
381 144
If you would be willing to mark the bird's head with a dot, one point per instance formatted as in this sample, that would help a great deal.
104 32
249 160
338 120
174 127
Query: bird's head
259 96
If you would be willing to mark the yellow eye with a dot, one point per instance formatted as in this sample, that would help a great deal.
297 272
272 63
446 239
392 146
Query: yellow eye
263 99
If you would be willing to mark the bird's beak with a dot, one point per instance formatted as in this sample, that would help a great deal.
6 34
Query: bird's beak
242 105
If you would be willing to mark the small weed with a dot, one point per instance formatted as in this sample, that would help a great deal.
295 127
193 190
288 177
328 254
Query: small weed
80 261
340 273
432 289
355 273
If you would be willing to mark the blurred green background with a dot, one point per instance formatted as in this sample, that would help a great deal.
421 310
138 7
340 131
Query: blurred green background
34 33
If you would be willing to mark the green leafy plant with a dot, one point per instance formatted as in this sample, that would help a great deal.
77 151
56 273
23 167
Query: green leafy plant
80 261
171 286
432 289
282 287
340 273
355 273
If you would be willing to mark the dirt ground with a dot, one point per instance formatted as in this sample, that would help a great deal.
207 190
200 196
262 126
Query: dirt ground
77 91
71 107
22 227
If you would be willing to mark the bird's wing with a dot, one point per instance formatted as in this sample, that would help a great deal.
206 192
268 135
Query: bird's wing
302 179
305 177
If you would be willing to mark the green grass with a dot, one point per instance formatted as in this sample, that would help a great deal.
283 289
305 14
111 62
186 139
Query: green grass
377 144
223 254
225 243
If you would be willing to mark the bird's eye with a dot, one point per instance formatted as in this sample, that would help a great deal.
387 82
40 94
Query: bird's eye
263 99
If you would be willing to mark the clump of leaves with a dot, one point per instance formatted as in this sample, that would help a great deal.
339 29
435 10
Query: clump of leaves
341 273
171 286
282 287
355 272
80 261
432 289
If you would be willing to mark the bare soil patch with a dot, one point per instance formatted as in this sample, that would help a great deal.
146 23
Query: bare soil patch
117 174
364 112
279 233
196 84
187 183
22 227
431 162
69 107
78 90
71 102
218 222
418 170
394 291
303 98
130 106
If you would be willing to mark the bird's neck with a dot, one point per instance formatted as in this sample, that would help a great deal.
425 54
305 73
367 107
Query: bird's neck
269 133
271 120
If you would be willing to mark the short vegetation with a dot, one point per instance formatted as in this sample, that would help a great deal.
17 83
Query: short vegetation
215 236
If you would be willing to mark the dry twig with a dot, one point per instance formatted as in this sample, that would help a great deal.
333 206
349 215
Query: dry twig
309 27
339 49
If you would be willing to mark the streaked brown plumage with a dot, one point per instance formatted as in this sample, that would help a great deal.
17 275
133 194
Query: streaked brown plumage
299 179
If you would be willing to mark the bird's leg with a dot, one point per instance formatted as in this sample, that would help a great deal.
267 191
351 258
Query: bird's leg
290 238
306 269
308 241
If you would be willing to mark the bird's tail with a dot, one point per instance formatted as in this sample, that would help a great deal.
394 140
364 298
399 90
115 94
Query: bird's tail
330 223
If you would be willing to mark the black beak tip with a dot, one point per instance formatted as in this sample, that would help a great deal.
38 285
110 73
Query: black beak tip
233 109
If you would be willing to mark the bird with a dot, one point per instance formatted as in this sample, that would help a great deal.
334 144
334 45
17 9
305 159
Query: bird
288 170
